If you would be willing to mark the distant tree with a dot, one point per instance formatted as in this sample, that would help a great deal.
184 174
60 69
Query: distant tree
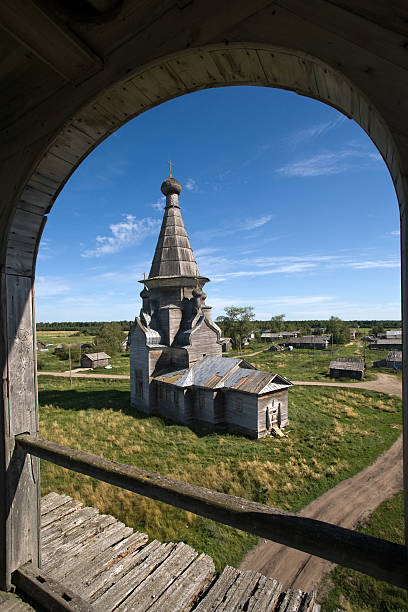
277 323
63 353
377 329
339 330
109 338
237 323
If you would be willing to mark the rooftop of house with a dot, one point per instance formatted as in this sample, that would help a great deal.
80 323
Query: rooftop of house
394 356
231 373
97 356
347 363
385 341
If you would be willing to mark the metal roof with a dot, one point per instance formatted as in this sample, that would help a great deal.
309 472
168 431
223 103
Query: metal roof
228 373
386 341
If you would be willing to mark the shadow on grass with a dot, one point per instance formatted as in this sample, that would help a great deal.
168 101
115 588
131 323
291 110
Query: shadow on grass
112 399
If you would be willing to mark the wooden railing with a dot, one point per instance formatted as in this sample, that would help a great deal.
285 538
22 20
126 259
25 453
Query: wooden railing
378 558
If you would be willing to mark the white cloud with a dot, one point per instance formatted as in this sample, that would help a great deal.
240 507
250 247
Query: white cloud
123 234
257 222
159 205
372 265
395 232
314 131
191 184
330 163
49 286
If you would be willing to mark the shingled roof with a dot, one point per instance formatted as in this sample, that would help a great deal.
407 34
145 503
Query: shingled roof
174 255
347 363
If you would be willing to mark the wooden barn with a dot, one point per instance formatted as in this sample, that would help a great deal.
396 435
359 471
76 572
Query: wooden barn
94 360
391 344
393 360
348 367
40 346
308 342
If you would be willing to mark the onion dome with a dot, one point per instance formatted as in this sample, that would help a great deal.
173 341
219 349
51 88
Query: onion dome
171 185
198 292
144 293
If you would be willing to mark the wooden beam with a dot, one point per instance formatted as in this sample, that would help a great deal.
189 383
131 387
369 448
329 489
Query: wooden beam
379 558
52 42
48 593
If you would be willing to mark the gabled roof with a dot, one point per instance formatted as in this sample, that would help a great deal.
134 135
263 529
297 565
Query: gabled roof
96 356
347 363
228 373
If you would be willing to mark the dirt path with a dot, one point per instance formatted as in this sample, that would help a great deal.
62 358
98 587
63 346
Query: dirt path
79 375
349 502
386 383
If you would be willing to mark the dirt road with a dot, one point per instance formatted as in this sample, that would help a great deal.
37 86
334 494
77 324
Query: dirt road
349 502
79 375
386 383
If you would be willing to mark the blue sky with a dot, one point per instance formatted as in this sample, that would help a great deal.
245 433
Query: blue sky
288 205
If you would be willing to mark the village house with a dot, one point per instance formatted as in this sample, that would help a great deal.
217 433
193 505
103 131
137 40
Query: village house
176 367
226 345
393 360
308 342
391 344
391 333
349 367
94 360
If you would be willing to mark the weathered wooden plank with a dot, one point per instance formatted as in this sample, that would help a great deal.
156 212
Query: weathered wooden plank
51 502
112 565
54 167
114 596
47 592
90 556
238 595
239 65
54 44
157 83
21 478
195 69
289 71
292 601
218 590
378 558
265 596
309 603
156 583
88 549
72 144
96 121
70 543
183 593
56 514
66 525
124 101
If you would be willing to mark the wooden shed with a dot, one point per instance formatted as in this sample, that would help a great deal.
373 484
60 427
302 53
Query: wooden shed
308 342
226 345
94 360
349 367
393 360
392 344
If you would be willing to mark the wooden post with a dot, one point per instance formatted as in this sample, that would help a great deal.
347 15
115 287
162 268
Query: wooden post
19 473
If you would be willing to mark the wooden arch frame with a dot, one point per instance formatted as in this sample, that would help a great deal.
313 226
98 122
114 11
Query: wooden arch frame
48 163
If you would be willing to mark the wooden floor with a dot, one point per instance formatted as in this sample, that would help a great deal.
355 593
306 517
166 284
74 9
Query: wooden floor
114 568
10 602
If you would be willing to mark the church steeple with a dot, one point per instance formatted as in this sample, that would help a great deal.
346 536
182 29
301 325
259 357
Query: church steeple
173 256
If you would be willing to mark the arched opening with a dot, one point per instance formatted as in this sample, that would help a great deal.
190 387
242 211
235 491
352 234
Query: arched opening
209 67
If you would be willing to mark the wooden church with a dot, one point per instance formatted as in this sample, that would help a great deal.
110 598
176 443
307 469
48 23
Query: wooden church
176 367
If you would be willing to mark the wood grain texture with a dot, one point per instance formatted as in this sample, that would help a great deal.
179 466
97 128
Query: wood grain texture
378 558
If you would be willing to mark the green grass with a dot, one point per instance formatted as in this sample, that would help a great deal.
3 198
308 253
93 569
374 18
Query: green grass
49 362
354 592
306 364
333 434
64 337
119 363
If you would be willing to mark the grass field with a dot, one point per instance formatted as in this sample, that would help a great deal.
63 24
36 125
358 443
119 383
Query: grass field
333 434
306 364
351 591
